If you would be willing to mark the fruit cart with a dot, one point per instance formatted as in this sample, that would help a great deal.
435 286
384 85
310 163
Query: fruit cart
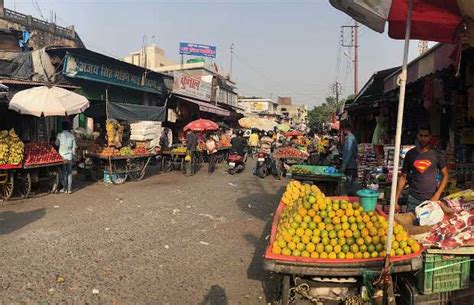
172 160
38 177
302 276
118 169
330 181
282 163
7 180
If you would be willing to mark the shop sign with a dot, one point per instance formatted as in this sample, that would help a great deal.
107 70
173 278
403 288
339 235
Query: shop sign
194 49
192 87
93 70
260 106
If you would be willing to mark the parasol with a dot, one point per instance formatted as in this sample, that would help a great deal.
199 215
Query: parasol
293 133
283 127
48 101
201 125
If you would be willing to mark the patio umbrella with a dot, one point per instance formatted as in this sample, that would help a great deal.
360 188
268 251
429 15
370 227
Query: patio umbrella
283 127
48 101
201 125
435 20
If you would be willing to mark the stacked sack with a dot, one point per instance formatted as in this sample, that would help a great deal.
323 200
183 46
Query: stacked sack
147 133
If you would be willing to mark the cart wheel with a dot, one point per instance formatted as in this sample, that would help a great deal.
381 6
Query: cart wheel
95 171
23 183
6 189
166 165
285 290
137 170
119 172
53 181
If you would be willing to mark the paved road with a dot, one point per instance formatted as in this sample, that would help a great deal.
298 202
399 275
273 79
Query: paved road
168 239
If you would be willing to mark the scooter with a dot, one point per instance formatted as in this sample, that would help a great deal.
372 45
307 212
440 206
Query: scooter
236 163
264 164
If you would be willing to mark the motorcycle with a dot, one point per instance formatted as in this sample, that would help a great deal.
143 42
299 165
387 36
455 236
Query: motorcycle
236 163
264 164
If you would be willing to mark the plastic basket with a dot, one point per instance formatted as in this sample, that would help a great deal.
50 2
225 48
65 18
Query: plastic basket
443 273
368 199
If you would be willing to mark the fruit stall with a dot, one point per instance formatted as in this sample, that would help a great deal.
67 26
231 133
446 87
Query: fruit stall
173 159
27 168
327 178
117 165
285 157
333 243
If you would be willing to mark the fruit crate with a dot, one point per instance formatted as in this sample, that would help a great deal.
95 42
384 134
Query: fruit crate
443 273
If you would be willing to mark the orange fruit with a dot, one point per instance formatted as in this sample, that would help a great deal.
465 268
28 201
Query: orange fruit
399 252
364 232
336 220
276 249
407 250
333 242
349 212
369 225
374 254
376 240
302 211
354 248
305 239
358 255
300 246
311 213
360 241
296 252
368 240
296 239
415 247
332 234
300 232
321 226
366 255
314 255
305 254
328 248
317 219
399 237
344 218
340 234
286 251
310 247
337 249
341 255
366 218
315 239
292 245
348 233
373 232
350 255
332 255
323 255
319 248
342 241
308 232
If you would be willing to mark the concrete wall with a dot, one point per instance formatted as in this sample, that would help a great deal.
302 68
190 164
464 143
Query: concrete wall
152 55
42 33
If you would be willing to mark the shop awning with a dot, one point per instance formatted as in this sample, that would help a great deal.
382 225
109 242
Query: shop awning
206 107
127 112
438 58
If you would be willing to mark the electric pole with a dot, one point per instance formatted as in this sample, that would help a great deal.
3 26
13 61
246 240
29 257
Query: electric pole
231 58
354 43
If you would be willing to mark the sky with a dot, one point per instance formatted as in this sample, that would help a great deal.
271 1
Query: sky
282 48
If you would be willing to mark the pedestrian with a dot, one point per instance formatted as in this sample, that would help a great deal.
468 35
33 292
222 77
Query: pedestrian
211 152
67 149
254 142
164 139
349 157
191 147
420 167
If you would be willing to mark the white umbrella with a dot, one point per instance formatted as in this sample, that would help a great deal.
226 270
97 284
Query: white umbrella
48 101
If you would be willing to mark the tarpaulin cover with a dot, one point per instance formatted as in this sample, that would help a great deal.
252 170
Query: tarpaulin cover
127 112
20 67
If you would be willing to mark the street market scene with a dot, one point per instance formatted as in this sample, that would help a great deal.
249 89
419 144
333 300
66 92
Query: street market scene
148 160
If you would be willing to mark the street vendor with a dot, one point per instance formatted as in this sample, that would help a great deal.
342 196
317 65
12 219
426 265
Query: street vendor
67 149
420 167
349 157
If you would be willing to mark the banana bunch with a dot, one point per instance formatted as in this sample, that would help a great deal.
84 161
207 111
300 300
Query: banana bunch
11 148
114 133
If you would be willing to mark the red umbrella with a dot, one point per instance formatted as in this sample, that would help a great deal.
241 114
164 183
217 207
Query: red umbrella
293 133
201 125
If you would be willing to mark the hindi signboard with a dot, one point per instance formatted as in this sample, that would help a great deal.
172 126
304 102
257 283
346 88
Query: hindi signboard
92 69
194 49
190 86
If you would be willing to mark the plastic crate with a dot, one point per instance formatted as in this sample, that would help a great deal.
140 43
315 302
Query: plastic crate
443 273
408 294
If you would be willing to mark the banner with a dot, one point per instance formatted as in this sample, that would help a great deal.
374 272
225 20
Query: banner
186 48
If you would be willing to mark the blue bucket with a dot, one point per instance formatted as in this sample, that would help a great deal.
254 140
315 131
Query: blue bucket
368 199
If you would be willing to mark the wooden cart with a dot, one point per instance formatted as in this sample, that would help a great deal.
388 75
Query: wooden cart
329 183
282 163
120 168
37 177
7 180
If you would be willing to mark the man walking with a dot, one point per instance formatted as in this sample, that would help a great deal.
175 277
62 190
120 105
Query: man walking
420 166
191 146
349 157
211 152
67 149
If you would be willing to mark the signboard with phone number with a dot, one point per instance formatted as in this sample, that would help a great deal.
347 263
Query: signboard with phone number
186 48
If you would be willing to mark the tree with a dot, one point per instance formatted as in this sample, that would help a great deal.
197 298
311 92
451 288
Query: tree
323 113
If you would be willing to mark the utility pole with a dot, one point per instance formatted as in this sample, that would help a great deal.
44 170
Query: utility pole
336 89
354 43
231 58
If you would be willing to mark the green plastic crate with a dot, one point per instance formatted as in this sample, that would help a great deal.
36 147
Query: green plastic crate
443 273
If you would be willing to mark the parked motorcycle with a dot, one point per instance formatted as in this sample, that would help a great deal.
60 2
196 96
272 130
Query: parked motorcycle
264 164
236 163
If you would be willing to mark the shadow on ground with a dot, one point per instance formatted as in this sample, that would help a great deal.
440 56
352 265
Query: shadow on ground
262 205
12 221
215 296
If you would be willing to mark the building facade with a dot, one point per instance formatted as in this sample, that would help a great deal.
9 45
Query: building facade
150 57
256 106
